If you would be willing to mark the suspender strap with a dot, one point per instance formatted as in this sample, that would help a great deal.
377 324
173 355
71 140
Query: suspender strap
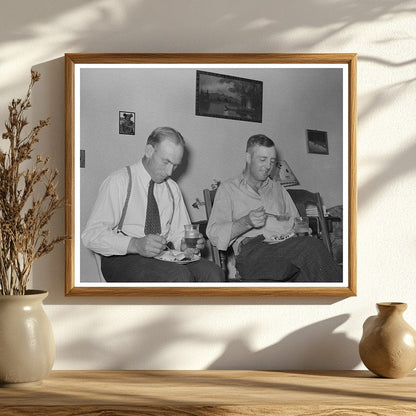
126 203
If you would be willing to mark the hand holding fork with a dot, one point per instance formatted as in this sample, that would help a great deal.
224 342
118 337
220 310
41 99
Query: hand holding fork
279 217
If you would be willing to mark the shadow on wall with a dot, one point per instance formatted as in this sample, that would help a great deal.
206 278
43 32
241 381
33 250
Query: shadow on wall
146 346
102 25
152 345
392 170
313 347
139 16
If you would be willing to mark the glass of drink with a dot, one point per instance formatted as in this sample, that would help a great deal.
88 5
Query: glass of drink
301 226
191 235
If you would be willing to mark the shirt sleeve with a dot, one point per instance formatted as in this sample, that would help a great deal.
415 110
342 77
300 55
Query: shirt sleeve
180 216
220 221
100 234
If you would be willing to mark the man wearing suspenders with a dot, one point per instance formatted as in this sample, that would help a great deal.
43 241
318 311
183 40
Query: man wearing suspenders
139 212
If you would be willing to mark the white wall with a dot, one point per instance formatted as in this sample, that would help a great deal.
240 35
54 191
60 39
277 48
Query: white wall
198 333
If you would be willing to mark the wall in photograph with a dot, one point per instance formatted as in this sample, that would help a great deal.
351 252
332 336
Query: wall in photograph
216 146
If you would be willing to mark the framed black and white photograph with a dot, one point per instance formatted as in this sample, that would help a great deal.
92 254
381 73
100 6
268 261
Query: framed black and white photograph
317 141
226 96
216 195
126 122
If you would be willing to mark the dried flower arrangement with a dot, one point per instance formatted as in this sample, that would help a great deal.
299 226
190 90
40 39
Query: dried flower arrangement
28 199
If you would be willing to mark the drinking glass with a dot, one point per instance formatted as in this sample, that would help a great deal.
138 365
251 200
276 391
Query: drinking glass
191 235
301 226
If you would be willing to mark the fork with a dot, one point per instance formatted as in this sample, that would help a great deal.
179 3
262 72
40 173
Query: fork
279 217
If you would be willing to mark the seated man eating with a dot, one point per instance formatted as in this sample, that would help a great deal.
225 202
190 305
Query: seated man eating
240 217
139 213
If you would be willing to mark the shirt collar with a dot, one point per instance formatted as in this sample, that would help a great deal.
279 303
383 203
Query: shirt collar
243 181
143 173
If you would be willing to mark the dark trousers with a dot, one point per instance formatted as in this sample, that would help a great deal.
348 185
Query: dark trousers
297 259
136 268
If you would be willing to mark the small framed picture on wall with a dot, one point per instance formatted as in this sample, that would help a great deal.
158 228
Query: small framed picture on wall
126 122
317 142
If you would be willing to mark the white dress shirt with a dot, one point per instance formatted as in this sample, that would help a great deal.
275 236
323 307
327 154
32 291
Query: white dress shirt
100 234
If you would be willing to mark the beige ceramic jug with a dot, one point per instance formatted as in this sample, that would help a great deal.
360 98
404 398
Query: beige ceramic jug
388 345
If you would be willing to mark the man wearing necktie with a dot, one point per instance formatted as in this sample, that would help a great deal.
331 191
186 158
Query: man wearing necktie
139 213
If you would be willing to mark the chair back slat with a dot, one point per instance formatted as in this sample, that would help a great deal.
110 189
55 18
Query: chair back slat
209 196
218 257
302 198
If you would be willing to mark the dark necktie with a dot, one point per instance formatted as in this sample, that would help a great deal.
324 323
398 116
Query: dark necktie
152 224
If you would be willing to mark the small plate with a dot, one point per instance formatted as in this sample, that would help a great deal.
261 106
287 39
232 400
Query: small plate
276 241
174 256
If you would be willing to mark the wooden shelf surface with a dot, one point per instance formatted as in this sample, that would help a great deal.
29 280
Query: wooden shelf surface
212 392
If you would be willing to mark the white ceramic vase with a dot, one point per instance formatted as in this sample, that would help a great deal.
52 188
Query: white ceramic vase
27 346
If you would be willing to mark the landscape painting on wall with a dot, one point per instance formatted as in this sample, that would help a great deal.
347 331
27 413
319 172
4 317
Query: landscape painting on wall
227 96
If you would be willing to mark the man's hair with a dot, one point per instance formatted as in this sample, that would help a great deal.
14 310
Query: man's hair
162 133
259 140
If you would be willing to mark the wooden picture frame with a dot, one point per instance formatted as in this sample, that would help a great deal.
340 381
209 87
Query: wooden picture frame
229 97
126 122
79 284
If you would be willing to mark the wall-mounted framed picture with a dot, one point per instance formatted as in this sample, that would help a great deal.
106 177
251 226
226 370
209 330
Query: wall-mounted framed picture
226 96
126 122
317 141
96 195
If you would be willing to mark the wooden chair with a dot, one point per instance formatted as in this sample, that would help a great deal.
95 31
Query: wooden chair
219 256
302 199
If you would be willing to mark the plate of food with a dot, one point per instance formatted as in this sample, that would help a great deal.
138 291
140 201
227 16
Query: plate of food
178 257
274 239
